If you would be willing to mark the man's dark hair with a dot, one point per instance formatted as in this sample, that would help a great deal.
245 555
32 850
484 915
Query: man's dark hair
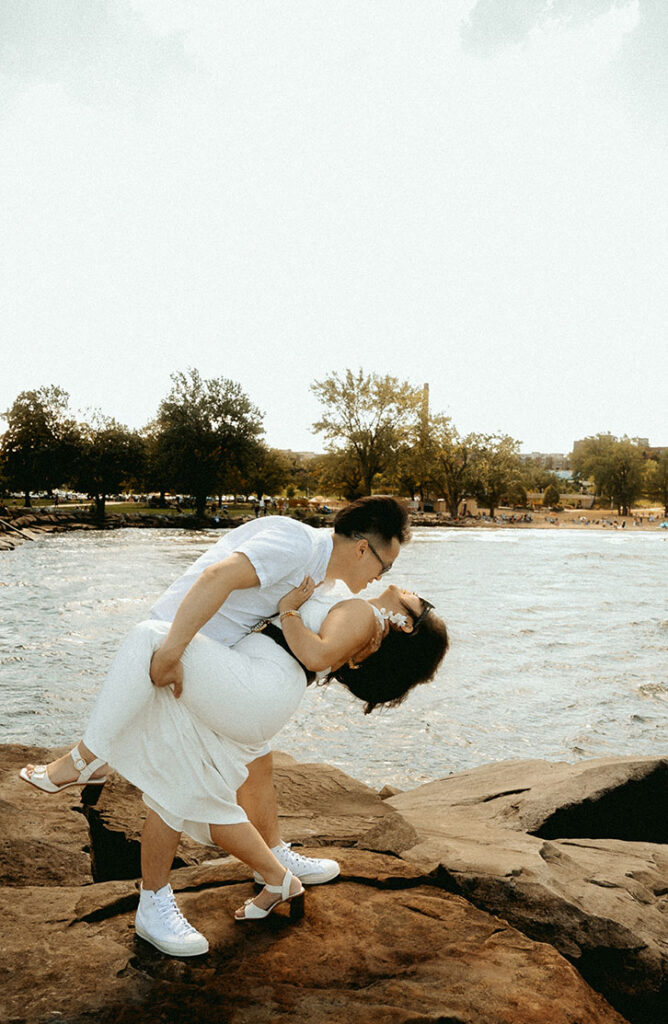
401 662
379 515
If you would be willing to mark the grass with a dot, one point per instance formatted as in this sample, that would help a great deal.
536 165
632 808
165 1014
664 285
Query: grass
233 511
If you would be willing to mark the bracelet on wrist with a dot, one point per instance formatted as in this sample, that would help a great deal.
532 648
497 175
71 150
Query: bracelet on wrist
290 611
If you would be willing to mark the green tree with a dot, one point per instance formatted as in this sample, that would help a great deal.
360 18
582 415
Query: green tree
615 465
656 480
157 469
267 472
208 431
551 496
367 415
301 473
418 455
39 445
456 466
111 458
497 469
536 477
338 473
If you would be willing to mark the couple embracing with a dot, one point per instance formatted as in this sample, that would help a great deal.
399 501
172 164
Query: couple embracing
195 694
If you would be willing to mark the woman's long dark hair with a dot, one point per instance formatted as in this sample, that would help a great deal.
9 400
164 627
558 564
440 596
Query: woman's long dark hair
402 661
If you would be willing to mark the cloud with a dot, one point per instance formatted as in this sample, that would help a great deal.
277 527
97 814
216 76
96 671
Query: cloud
626 39
493 24
102 52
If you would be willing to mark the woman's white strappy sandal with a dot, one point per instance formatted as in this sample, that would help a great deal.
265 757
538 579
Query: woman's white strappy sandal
39 776
251 911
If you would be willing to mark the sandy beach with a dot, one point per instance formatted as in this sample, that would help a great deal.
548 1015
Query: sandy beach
570 519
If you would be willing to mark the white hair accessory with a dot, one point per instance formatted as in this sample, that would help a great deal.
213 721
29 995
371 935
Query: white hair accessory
394 617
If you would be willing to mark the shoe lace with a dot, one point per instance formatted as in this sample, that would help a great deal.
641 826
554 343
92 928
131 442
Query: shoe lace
297 860
170 913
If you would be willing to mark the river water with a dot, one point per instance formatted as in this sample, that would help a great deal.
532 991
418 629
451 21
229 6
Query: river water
559 644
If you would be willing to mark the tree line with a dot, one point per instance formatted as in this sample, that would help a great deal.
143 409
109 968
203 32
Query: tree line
207 439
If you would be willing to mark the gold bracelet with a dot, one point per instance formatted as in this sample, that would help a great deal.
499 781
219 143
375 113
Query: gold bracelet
290 611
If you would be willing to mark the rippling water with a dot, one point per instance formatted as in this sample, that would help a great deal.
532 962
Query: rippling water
559 643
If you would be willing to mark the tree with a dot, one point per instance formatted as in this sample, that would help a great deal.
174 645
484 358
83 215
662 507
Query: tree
656 480
267 472
615 465
40 443
536 476
551 496
338 473
111 458
208 430
367 415
455 470
415 463
497 469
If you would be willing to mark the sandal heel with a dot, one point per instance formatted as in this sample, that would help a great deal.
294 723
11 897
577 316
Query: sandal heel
297 907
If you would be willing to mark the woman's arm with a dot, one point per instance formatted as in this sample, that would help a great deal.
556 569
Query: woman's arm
349 627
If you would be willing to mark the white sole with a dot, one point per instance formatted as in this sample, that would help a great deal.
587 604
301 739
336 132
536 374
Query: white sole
318 879
164 947
59 789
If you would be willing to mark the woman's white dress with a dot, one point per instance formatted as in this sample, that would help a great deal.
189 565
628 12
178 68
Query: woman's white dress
189 755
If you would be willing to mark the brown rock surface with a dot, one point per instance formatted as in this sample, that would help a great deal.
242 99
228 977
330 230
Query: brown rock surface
595 895
44 840
380 946
115 816
393 940
321 805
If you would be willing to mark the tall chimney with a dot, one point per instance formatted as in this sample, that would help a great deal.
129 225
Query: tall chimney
425 403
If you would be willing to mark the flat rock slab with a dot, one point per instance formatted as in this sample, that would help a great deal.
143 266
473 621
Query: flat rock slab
115 815
600 901
44 840
365 951
602 798
320 805
78 836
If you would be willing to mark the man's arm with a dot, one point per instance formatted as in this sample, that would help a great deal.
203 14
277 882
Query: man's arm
209 591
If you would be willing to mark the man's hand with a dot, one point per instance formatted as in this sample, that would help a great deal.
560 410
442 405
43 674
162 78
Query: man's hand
166 670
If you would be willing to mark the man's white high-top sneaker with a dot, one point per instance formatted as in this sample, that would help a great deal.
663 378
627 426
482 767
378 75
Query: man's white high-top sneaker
309 870
160 922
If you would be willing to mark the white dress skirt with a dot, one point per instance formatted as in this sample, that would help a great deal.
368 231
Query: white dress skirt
189 755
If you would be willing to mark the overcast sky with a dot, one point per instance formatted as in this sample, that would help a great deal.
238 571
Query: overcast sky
472 194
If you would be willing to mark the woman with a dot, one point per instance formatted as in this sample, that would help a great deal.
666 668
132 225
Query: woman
189 755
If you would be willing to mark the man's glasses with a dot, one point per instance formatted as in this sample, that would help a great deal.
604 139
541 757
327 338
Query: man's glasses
385 566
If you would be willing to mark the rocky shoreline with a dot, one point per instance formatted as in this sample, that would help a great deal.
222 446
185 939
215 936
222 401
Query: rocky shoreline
25 524
524 892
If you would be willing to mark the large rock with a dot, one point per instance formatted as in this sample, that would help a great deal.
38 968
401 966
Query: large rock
44 839
572 855
115 817
320 806
381 946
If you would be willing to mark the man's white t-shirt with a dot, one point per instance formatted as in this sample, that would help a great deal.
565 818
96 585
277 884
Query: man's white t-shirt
281 550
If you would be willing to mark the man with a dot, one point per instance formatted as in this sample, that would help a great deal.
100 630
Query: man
235 584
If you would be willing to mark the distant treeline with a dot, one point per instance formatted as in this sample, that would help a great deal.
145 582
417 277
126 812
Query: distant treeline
207 440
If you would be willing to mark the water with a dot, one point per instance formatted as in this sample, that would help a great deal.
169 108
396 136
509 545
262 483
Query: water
559 642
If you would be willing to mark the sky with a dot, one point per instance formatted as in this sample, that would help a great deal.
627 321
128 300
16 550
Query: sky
469 193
